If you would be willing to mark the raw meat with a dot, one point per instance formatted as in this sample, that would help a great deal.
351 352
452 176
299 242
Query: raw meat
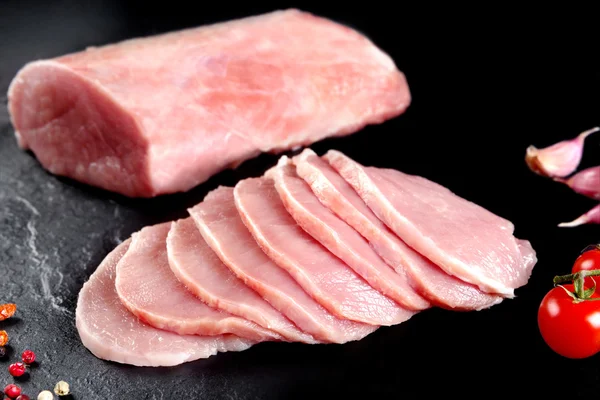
112 333
201 271
222 228
322 275
162 114
436 285
340 238
147 287
461 237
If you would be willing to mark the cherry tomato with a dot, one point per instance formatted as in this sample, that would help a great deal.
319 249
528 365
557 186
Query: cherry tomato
571 329
588 261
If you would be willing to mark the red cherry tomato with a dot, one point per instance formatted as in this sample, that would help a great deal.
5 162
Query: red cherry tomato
571 329
586 262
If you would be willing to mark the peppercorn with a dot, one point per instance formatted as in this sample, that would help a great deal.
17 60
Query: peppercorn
7 311
12 391
28 357
45 395
61 388
17 369
23 397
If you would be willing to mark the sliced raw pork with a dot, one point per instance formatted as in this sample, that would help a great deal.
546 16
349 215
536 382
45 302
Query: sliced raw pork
437 286
322 275
202 272
222 228
459 236
162 114
340 238
112 333
147 287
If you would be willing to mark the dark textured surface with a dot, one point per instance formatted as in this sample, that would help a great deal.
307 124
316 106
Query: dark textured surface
482 91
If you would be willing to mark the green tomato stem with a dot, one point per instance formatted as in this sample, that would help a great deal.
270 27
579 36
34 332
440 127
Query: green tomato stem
578 282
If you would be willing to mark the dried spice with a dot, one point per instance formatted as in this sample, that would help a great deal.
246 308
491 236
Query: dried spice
45 395
28 357
12 391
61 388
17 369
7 311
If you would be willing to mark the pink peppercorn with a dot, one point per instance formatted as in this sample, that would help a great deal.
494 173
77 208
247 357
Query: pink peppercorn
12 391
17 369
28 357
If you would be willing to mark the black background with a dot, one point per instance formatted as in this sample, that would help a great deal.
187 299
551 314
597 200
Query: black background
485 85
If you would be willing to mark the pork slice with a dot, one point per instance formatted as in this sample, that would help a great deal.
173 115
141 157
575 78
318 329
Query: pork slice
459 236
147 287
340 238
112 333
428 279
161 114
222 228
322 275
200 270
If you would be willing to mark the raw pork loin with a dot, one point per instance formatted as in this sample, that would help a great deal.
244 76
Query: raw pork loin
162 114
109 331
219 222
340 238
147 287
461 237
199 268
322 275
301 254
431 281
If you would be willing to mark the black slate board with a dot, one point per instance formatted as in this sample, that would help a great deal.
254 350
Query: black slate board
483 91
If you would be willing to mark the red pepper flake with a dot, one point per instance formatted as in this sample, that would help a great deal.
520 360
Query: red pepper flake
7 311
3 338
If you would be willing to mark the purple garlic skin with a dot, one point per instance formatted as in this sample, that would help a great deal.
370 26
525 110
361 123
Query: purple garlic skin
590 217
560 159
586 182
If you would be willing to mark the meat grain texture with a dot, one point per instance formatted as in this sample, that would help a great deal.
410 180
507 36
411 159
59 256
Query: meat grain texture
148 289
219 222
440 288
301 254
162 114
112 333
202 272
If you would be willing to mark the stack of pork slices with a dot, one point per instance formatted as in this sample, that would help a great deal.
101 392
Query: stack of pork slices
318 250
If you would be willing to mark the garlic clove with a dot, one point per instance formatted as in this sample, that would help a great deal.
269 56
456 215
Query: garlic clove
590 217
560 159
586 182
